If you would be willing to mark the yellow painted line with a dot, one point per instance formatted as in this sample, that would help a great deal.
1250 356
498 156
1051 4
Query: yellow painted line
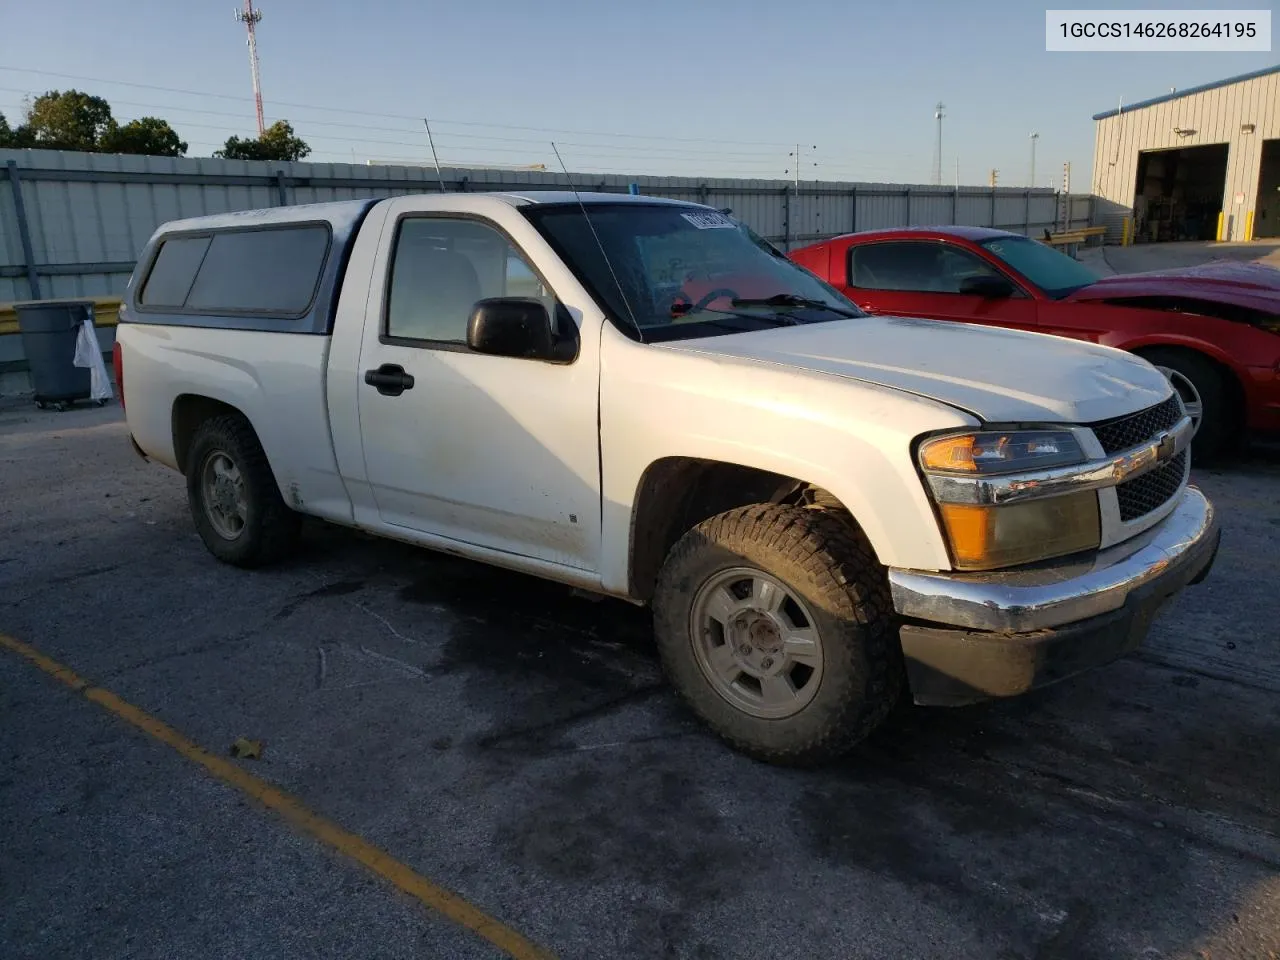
383 864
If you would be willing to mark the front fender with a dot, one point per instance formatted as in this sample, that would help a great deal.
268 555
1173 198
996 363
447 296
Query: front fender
1135 343
852 439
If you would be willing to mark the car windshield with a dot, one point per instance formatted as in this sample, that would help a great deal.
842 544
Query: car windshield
684 271
1053 272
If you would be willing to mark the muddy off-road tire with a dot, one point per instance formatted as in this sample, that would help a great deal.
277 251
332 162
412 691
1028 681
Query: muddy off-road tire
776 626
234 499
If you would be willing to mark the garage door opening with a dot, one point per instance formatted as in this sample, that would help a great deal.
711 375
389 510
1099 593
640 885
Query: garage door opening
1266 217
1178 195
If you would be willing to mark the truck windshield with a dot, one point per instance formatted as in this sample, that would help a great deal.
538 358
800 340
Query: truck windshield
684 272
1052 271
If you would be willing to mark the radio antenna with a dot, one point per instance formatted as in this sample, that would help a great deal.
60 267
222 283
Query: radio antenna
439 175
607 262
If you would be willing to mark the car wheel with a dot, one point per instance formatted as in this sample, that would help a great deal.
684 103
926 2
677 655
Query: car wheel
1204 394
776 626
235 502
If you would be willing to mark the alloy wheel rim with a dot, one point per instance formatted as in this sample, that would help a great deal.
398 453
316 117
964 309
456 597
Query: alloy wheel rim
222 486
756 643
1185 389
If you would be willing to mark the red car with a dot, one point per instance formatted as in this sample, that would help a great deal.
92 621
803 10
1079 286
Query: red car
1214 330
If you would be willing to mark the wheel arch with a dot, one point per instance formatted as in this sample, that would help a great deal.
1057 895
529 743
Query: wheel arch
676 493
1221 364
190 412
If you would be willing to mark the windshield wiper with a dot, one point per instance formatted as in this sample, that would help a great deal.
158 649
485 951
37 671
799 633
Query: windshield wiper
777 319
791 300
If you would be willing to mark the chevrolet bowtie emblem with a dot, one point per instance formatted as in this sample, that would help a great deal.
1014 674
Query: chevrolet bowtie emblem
1165 447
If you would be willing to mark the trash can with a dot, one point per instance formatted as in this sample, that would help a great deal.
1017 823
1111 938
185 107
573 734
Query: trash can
49 330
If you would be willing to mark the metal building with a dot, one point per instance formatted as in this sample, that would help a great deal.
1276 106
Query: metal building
1195 164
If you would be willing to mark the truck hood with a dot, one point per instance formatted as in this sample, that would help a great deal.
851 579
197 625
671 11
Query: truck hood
1254 286
997 375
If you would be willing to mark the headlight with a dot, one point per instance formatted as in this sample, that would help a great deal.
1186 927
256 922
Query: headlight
994 453
988 537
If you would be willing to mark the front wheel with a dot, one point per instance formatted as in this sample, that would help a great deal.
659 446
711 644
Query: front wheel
234 500
776 626
1205 396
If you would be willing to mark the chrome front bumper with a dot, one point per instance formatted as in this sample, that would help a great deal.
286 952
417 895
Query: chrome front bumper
1176 551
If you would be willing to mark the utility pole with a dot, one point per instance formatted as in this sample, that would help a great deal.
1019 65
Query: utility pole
251 18
1034 138
1064 201
793 209
937 156
796 157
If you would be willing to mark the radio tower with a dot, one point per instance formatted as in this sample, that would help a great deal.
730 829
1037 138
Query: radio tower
250 18
937 157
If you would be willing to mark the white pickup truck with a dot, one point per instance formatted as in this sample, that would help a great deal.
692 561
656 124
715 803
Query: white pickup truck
642 398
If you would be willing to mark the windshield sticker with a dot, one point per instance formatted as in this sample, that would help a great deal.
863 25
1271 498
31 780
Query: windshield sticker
710 221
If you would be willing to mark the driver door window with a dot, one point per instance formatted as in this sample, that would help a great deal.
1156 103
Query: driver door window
922 278
441 267
911 266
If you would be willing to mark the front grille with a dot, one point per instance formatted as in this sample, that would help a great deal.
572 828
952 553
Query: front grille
1152 490
1125 432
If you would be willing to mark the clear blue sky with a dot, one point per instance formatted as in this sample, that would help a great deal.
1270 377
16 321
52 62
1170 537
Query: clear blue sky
700 87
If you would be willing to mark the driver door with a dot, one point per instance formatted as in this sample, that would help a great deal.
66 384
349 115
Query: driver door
499 452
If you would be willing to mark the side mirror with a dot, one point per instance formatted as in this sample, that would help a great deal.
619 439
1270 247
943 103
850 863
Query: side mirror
512 327
994 288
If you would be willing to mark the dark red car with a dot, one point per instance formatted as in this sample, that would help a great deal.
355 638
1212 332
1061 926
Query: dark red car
1214 330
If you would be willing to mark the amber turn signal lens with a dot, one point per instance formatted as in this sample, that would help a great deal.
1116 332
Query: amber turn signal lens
989 538
949 453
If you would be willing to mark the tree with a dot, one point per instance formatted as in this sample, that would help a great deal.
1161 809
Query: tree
68 121
149 136
276 143
21 137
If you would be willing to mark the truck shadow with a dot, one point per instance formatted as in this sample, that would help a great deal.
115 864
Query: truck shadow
574 653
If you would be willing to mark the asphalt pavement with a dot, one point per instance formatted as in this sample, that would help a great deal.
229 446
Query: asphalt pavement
515 744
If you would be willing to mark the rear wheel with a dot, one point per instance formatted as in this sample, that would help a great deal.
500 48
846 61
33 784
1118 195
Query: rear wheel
234 499
776 626
1206 396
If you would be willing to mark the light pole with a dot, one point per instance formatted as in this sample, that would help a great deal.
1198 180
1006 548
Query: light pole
793 213
937 157
1034 138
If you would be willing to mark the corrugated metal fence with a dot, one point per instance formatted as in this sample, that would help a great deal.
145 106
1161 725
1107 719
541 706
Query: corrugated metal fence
71 224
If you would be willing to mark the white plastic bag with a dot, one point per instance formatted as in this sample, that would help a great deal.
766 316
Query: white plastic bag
89 354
